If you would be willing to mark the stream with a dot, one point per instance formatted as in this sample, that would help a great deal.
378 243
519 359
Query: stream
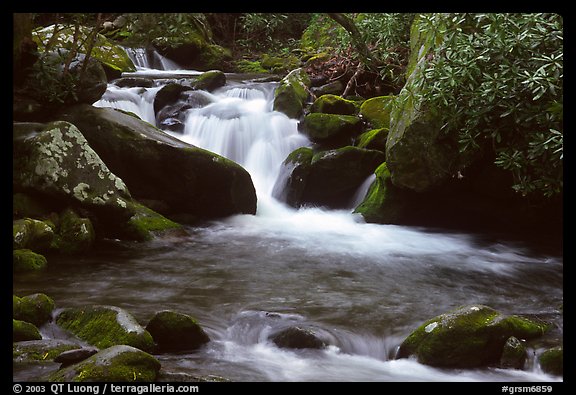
362 287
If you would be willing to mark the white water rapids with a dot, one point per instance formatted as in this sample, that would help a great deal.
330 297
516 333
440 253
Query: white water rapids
364 287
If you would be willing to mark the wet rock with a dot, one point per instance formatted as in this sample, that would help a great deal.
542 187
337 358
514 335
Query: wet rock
25 261
552 361
41 350
105 326
210 80
75 234
22 331
297 337
513 354
71 357
376 111
31 234
176 332
117 363
333 104
373 139
331 130
36 309
291 95
467 337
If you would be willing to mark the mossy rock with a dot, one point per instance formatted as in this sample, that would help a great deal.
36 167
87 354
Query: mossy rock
44 350
373 139
25 261
23 331
513 354
105 326
75 234
333 104
552 361
467 337
145 223
36 309
296 337
32 234
210 80
293 176
331 130
376 111
291 94
119 363
384 203
174 331
109 54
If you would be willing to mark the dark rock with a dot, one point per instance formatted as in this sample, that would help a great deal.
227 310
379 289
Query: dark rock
296 337
168 94
331 130
71 357
40 350
292 92
36 309
23 331
552 361
176 332
133 82
513 354
333 104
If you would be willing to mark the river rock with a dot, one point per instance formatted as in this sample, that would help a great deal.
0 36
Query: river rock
25 261
176 332
209 80
31 234
296 337
513 354
168 94
552 361
41 350
75 234
119 363
467 337
376 111
36 309
22 331
105 326
291 94
384 203
157 166
373 139
331 130
333 104
328 178
70 357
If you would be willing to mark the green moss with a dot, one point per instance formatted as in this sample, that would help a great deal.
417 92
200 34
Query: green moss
377 111
145 223
374 139
247 66
552 361
22 331
117 363
513 354
75 234
32 234
105 326
36 309
300 155
175 331
331 128
333 104
25 260
210 80
292 93
41 350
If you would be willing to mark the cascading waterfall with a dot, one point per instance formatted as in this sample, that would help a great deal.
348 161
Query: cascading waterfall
362 287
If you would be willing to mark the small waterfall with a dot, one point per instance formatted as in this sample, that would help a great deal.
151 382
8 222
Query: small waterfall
139 101
150 59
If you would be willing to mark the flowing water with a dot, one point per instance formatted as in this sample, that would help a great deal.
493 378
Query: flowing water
362 287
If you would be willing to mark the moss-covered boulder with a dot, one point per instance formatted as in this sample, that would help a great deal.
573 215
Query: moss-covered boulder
296 337
467 337
105 326
373 139
36 309
25 261
174 331
291 94
111 55
32 234
293 176
384 203
333 104
23 331
157 166
419 155
376 111
330 178
114 364
552 361
75 234
209 80
513 354
331 130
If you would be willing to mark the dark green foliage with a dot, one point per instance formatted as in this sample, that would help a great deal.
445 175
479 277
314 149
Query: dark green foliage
495 80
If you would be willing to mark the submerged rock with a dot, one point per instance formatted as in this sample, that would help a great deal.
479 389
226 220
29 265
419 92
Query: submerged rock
36 309
176 332
297 337
117 363
105 326
467 337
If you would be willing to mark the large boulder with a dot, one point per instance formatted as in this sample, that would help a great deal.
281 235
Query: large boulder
291 94
157 166
105 326
329 178
331 130
174 331
114 364
467 337
419 155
